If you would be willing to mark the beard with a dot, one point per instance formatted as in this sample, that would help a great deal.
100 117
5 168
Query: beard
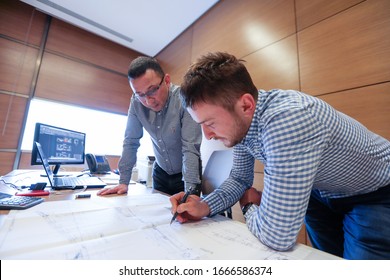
238 133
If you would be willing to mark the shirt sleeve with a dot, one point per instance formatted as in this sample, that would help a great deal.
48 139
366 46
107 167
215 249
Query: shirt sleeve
293 143
191 138
131 143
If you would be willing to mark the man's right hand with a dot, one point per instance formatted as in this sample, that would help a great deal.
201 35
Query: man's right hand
193 209
118 189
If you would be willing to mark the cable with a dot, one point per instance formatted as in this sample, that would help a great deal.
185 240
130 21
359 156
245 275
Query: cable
11 185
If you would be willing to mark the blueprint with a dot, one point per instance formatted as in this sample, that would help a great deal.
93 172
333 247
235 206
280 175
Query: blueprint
129 227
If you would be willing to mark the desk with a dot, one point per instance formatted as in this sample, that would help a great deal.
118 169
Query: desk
132 226
28 177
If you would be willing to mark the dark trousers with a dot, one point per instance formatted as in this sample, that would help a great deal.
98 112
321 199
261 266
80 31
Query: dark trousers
356 227
163 182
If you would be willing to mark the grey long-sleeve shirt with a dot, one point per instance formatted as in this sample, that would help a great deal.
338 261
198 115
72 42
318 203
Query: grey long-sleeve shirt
175 136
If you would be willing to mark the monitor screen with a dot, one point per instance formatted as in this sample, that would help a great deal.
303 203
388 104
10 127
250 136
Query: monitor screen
60 145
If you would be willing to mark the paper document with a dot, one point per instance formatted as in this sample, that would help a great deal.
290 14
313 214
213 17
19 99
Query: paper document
128 227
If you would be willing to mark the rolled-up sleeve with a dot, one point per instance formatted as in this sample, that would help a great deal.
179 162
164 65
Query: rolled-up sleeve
191 138
131 143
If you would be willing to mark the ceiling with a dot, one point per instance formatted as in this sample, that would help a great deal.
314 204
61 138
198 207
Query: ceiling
146 26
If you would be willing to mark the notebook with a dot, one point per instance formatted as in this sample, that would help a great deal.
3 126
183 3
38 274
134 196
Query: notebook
67 182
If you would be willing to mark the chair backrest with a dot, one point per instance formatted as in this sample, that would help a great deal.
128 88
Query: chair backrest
217 170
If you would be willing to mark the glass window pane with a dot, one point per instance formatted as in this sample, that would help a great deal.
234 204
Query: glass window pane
104 130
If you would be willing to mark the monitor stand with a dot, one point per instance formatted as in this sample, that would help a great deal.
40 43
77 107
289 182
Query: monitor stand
56 169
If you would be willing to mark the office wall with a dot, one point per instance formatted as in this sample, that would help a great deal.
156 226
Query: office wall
44 57
336 50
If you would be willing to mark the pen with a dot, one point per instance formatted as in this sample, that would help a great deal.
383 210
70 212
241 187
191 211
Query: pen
189 191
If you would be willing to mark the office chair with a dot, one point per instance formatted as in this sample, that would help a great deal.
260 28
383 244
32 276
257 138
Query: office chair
216 171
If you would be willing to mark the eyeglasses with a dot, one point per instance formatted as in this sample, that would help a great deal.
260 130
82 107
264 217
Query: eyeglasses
149 93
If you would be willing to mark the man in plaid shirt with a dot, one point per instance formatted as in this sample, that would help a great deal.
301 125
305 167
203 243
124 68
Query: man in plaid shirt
321 167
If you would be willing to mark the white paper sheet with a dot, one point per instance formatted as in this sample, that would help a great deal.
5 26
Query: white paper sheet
128 227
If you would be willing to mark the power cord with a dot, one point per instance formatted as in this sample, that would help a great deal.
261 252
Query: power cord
11 185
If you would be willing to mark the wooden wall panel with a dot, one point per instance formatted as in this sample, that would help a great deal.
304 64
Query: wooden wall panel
65 39
258 181
17 65
78 68
25 161
259 167
176 59
21 22
369 105
12 110
6 162
241 29
312 11
75 83
349 50
275 66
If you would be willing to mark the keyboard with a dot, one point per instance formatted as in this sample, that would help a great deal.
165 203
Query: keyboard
73 181
9 202
63 183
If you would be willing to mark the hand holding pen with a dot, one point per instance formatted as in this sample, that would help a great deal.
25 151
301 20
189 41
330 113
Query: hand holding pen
183 200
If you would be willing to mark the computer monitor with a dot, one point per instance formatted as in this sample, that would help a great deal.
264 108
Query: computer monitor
61 146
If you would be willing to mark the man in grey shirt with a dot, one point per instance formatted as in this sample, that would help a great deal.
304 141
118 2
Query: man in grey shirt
156 106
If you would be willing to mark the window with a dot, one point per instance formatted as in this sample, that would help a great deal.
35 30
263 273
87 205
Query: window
104 130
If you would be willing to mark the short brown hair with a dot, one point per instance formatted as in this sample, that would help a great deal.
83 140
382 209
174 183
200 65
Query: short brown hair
217 78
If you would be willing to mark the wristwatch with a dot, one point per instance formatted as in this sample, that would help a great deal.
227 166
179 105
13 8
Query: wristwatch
246 207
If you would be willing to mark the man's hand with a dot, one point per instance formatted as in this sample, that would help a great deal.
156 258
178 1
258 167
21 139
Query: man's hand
193 209
118 189
251 195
